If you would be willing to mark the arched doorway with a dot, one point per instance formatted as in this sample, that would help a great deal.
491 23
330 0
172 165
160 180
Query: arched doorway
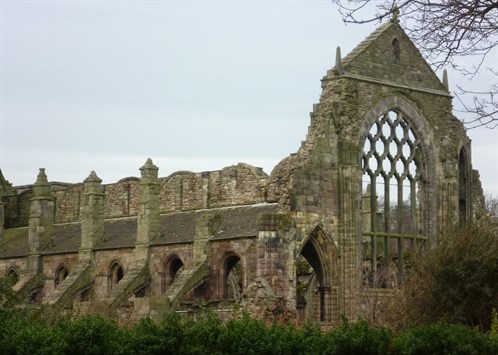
316 278
60 274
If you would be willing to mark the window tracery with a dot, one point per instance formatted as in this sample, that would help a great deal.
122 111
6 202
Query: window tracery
391 181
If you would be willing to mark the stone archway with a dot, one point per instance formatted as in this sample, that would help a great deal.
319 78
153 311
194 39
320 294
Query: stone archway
317 278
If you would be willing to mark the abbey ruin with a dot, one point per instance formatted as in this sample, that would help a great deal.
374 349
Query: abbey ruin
384 170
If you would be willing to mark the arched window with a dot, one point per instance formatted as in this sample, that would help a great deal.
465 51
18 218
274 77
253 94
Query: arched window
172 267
463 181
116 273
390 213
232 276
60 274
396 51
13 275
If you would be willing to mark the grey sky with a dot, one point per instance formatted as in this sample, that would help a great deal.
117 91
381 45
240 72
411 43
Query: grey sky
195 85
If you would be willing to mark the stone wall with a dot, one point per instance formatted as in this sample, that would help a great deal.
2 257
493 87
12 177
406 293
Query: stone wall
240 184
51 263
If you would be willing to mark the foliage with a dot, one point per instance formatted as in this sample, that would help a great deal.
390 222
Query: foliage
25 333
442 338
493 333
456 281
445 30
359 338
83 335
7 297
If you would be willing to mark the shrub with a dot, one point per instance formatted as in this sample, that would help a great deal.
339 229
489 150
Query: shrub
456 281
443 338
83 335
359 338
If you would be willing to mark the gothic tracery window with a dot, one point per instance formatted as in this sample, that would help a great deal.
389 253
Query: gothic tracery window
391 182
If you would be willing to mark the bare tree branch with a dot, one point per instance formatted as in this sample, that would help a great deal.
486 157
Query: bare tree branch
445 30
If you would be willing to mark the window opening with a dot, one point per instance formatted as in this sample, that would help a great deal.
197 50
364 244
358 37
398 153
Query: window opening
60 275
173 267
233 277
13 276
116 273
391 208
396 50
463 179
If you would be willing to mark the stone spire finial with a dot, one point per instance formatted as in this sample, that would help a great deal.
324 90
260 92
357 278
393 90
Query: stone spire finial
41 179
395 14
41 188
92 177
338 59
149 171
445 80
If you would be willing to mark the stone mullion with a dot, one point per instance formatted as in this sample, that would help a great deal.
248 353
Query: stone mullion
400 229
373 227
387 226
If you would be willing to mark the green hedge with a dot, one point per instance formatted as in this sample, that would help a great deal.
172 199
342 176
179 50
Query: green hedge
23 332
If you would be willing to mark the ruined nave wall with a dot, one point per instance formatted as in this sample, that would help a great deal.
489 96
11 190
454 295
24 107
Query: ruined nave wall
240 184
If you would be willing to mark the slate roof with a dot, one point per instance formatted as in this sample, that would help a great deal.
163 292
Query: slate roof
176 227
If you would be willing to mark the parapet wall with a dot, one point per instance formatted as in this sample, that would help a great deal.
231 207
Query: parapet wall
240 184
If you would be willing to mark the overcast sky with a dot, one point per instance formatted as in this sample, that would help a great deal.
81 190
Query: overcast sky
195 85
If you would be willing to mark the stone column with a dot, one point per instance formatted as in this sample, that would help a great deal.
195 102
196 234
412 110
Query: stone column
148 204
41 220
273 253
92 222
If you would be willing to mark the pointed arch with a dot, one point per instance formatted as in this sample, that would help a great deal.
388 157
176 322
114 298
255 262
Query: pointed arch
115 274
172 266
60 274
317 265
13 275
231 277
399 170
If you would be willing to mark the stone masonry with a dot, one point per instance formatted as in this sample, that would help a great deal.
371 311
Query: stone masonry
384 170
